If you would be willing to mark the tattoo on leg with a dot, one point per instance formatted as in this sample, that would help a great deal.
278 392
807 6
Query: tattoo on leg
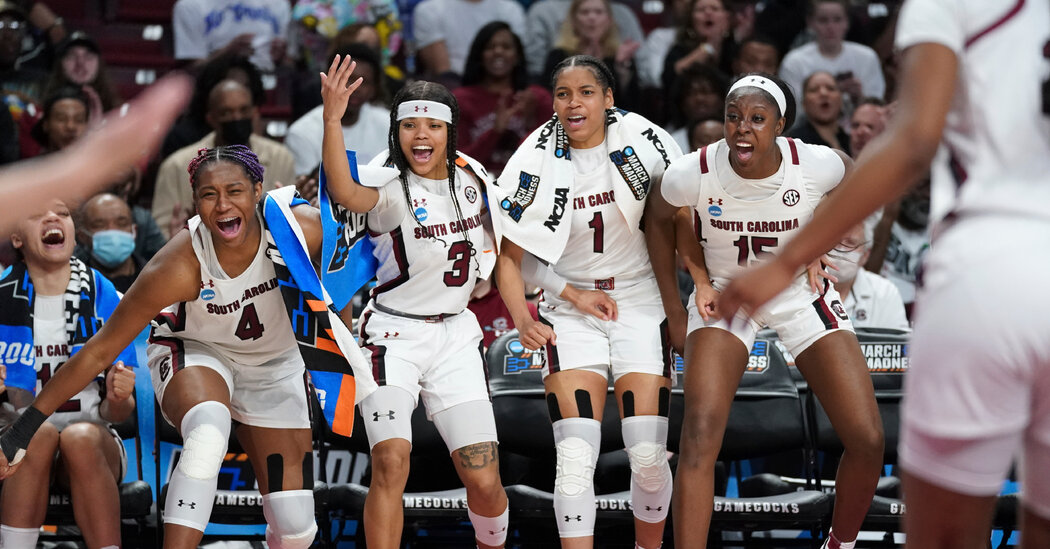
478 456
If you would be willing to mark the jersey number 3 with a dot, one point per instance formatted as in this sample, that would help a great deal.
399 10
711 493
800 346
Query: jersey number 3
459 254
249 327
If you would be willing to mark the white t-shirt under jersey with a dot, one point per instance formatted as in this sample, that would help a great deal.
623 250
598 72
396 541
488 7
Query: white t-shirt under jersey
996 136
600 243
52 351
743 220
426 268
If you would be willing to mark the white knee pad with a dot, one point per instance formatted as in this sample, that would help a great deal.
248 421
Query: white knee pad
191 491
289 519
646 440
576 442
18 538
491 531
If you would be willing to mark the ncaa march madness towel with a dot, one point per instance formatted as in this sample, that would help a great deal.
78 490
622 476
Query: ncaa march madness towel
534 193
89 301
338 370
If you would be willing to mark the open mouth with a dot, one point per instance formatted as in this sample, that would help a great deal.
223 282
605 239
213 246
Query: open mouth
53 238
575 121
229 226
422 153
744 151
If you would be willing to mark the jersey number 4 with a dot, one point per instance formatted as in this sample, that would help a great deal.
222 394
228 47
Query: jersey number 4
753 245
249 327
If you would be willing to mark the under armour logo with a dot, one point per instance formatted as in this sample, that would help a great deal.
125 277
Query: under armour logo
424 108
377 415
192 504
494 532
712 202
388 334
578 518
762 81
660 508
209 284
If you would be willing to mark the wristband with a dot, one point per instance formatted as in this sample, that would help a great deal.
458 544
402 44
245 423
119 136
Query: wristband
15 441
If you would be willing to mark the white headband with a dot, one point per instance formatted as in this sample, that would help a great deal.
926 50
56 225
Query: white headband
424 109
765 85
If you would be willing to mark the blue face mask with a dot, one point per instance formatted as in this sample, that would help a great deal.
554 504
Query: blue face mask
112 247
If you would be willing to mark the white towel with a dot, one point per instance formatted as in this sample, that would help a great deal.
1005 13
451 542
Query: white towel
535 190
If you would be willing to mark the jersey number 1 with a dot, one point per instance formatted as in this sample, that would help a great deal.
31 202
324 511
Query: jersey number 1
249 327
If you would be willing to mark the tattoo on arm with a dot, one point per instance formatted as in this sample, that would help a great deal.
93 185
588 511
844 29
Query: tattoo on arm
478 456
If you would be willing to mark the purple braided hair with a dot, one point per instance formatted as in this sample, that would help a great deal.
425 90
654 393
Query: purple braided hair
237 154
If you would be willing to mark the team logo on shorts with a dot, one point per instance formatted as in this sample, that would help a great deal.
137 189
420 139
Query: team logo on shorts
471 193
791 197
523 196
632 171
519 359
840 312
860 314
165 368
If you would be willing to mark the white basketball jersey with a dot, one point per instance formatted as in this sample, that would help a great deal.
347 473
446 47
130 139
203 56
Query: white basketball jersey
600 244
428 267
52 351
995 157
243 317
737 233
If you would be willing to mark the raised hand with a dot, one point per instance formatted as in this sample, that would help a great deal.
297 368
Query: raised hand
336 87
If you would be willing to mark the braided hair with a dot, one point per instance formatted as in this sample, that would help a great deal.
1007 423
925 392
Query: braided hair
428 91
601 71
240 155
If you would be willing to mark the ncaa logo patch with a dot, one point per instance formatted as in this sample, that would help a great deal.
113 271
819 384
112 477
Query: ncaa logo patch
791 197
471 193
207 295
519 359
715 211
421 214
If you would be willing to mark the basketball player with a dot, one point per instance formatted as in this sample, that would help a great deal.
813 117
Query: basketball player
573 194
974 73
432 247
222 348
751 192
56 301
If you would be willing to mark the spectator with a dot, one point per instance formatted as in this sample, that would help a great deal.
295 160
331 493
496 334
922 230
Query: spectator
704 132
444 30
257 29
79 64
106 236
148 237
28 82
907 243
365 126
544 27
657 43
756 54
870 300
868 120
704 37
589 30
55 304
64 119
822 104
231 116
497 106
855 67
193 126
698 93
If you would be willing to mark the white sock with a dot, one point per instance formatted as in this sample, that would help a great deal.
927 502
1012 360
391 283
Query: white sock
18 538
